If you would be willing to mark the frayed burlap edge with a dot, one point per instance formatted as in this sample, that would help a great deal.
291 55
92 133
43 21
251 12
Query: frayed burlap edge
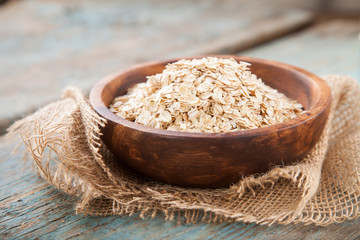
63 139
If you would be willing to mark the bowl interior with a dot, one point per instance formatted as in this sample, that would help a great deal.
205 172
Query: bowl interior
288 80
306 88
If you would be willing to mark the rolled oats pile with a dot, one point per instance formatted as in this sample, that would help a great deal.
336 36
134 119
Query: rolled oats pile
205 95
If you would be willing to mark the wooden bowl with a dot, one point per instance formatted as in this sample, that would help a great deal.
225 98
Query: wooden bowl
214 159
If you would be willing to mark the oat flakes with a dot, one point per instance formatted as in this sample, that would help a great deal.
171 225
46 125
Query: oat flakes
205 95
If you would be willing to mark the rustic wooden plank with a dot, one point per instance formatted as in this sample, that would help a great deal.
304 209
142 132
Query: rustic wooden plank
48 45
31 209
349 7
328 48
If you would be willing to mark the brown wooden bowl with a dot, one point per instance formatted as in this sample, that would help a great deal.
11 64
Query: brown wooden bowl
214 159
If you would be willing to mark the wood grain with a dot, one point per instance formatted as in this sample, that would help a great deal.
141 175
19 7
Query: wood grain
30 209
48 45
328 48
214 160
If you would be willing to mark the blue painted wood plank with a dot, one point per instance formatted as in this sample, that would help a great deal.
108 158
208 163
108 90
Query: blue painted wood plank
31 209
61 43
328 48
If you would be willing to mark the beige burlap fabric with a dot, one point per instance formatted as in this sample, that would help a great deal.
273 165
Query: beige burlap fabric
64 141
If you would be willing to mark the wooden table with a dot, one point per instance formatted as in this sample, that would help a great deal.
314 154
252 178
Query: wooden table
47 45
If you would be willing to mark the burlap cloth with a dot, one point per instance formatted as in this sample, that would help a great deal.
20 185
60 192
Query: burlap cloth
63 139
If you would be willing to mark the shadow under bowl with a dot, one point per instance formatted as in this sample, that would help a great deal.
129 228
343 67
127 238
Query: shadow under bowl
214 160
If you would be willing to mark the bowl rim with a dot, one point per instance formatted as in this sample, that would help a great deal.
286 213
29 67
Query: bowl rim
322 102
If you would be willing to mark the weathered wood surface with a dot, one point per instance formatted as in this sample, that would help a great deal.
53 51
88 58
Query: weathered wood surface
56 55
48 45
31 209
328 48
